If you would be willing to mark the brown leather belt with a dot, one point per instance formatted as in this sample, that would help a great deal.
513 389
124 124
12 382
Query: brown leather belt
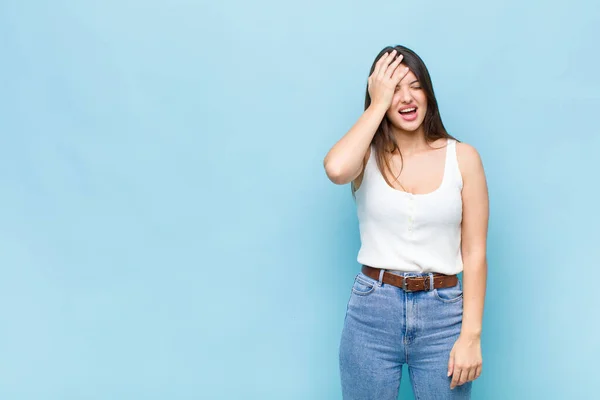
412 283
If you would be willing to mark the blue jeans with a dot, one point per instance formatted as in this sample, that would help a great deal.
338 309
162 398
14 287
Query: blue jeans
386 327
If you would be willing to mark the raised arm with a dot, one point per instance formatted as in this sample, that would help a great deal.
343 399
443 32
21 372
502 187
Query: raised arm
344 161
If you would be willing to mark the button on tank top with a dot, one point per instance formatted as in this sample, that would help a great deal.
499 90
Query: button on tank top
411 232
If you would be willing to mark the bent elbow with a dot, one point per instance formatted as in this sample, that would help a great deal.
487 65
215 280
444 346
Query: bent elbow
335 174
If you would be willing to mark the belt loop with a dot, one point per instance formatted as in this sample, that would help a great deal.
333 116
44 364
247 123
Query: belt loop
430 281
381 271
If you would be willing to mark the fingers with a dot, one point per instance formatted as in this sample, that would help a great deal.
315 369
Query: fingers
380 85
462 376
471 375
391 69
455 378
399 74
385 63
379 64
385 67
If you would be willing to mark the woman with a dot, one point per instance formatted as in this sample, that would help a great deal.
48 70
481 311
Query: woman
422 205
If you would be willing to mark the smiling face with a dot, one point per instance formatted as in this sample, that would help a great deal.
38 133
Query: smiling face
409 104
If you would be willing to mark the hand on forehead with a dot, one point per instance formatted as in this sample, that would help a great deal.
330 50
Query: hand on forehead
408 78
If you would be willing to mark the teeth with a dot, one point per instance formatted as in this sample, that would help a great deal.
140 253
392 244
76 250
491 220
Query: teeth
408 110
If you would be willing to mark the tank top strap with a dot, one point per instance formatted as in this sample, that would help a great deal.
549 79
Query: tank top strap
454 174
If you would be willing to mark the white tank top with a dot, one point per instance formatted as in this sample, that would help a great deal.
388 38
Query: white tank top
411 232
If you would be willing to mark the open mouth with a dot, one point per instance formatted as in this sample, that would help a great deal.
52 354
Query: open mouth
409 114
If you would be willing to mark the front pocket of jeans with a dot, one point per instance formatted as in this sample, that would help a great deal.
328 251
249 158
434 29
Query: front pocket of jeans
362 285
449 294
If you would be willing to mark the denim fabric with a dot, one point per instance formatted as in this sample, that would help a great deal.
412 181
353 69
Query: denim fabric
385 327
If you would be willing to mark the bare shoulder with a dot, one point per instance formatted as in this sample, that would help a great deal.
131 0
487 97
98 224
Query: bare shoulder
469 160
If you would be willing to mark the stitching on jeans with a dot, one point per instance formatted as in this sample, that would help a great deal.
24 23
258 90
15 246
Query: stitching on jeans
453 300
370 285
414 384
365 282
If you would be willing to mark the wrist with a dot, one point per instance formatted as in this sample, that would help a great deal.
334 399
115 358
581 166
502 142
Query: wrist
378 108
471 334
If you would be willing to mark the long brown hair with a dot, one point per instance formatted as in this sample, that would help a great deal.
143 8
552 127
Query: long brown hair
384 140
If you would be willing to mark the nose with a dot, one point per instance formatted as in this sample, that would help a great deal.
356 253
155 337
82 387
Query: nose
405 96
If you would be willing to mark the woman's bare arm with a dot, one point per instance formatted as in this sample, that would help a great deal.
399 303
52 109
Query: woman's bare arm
465 362
474 237
344 161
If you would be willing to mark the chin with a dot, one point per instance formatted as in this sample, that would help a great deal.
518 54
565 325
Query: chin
407 126
410 127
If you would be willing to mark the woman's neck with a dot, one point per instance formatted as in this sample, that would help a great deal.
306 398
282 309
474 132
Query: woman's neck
411 142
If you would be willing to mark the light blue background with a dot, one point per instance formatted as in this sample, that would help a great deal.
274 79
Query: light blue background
167 230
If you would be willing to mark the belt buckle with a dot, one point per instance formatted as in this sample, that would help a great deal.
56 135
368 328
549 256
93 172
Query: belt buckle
427 286
404 287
